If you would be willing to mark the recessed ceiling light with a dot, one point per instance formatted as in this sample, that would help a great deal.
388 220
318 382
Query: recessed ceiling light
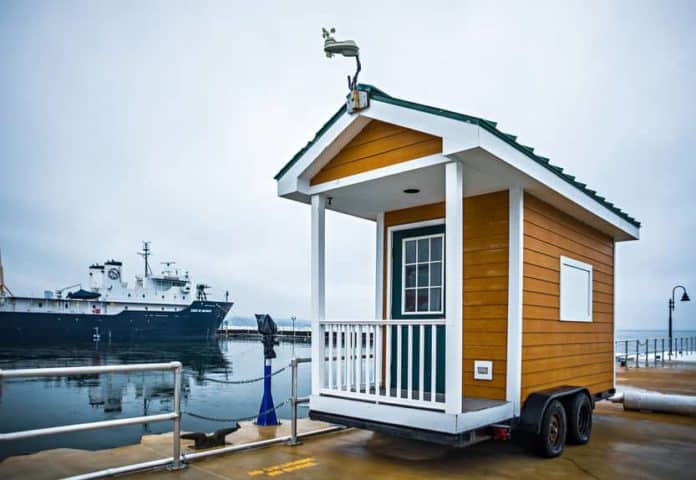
411 191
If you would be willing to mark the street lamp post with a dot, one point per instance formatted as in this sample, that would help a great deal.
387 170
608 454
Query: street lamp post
670 303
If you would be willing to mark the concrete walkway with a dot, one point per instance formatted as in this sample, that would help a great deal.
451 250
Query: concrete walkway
631 445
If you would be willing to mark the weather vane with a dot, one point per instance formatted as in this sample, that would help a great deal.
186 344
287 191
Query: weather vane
348 48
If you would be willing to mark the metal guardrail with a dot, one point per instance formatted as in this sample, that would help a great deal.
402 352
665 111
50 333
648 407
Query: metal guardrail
294 401
177 460
174 416
633 350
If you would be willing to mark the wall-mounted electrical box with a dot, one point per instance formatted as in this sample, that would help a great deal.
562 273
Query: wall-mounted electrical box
483 370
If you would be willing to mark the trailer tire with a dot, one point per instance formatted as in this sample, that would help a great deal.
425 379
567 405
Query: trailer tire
579 419
552 437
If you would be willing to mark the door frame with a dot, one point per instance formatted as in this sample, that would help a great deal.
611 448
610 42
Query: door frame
390 240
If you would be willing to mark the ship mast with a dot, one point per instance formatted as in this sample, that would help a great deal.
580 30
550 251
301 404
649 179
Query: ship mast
145 253
3 287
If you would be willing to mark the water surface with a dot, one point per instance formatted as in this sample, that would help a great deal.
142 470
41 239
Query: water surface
44 402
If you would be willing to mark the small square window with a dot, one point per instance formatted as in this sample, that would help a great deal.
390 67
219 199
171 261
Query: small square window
576 290
422 272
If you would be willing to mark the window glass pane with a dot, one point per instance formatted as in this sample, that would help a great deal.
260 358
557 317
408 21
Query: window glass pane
435 274
422 299
436 248
435 299
410 301
410 275
422 275
423 250
410 254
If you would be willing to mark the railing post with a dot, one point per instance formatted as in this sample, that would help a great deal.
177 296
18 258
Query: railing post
647 351
293 404
662 355
626 353
637 353
177 464
655 352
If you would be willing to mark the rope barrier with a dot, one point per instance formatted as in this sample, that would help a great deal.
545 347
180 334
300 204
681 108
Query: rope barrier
241 382
241 419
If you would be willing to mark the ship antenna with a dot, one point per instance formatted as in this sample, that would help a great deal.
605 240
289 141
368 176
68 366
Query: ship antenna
146 252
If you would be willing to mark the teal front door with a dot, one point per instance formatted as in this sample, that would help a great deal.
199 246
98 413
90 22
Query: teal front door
417 293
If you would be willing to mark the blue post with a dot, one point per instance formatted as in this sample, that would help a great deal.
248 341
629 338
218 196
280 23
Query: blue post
267 415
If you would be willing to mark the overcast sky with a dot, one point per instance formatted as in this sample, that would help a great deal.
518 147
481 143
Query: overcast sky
166 121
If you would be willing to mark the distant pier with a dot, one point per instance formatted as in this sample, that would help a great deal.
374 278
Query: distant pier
285 334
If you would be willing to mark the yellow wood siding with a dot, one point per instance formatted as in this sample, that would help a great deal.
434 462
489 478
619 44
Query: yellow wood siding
556 352
378 145
485 284
485 292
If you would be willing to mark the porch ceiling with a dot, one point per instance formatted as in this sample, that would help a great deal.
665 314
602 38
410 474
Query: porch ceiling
483 173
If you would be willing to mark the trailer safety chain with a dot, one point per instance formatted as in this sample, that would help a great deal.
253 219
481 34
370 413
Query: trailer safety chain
242 419
241 382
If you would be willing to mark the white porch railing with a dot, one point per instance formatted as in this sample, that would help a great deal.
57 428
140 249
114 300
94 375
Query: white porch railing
359 355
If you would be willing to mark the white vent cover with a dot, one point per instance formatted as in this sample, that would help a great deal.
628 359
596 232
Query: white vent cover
483 370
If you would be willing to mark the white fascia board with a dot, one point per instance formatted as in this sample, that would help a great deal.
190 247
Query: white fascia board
291 180
520 161
456 135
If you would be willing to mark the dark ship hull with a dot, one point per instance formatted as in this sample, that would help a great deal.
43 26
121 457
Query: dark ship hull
199 320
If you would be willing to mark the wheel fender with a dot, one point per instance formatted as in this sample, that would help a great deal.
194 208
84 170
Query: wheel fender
535 406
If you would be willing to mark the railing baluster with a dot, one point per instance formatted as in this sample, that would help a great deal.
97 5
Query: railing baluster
328 329
421 360
409 370
387 369
358 358
378 359
433 363
339 357
398 361
349 359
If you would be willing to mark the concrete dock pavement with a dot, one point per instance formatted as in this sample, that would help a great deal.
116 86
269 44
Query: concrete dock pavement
635 445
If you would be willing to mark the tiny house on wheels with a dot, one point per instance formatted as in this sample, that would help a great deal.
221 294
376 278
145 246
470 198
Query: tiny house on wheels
495 279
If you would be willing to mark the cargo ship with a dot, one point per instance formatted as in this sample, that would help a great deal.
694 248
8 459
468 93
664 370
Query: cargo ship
155 307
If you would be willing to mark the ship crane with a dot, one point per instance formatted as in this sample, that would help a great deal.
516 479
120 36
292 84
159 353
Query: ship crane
59 291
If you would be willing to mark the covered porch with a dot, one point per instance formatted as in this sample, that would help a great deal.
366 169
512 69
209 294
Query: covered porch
404 366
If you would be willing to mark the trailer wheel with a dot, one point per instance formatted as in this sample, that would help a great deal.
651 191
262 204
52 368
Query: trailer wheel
551 440
579 419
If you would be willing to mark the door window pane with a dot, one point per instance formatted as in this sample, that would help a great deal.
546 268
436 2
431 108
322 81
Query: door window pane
436 248
435 274
422 275
422 299
423 250
435 299
410 276
410 254
410 301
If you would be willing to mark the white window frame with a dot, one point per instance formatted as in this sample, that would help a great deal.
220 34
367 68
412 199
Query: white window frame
572 263
429 262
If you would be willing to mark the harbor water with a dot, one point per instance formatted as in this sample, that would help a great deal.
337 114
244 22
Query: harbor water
43 402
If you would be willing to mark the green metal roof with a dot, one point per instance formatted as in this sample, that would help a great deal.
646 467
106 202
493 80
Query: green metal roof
490 126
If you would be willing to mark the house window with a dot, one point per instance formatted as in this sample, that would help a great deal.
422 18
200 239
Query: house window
423 274
576 290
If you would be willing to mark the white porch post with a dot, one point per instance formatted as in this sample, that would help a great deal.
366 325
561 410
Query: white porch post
379 267
514 334
454 243
318 303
